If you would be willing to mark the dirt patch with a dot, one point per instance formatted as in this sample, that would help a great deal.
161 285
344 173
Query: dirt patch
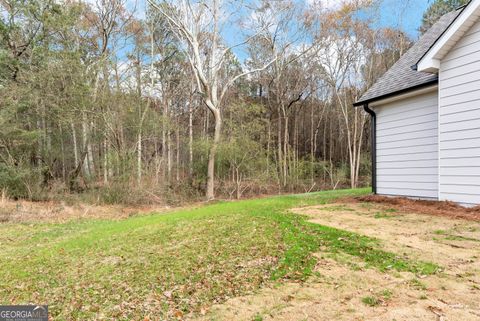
341 293
453 244
406 205
346 289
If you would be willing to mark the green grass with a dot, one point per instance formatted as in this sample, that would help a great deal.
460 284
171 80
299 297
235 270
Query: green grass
386 213
379 298
382 215
371 301
461 238
453 237
168 265
417 284
258 317
387 294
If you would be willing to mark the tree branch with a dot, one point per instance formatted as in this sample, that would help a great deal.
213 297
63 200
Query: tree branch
232 81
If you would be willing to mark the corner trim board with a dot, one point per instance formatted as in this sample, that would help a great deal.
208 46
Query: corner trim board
374 146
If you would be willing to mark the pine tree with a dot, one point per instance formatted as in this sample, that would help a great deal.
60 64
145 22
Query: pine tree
437 9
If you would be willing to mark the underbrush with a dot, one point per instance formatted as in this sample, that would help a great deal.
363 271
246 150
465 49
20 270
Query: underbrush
158 188
126 192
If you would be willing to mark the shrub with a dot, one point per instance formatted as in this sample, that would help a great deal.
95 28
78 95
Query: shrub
21 181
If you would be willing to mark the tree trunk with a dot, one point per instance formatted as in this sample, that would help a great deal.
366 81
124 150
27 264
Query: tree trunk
164 137
75 147
190 139
139 157
141 114
105 160
238 183
62 145
279 148
177 151
269 129
285 151
312 141
91 164
169 155
211 156
86 165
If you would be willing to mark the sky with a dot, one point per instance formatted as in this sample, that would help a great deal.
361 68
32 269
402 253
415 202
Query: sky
403 14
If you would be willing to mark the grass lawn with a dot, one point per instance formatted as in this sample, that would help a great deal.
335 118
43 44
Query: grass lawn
168 265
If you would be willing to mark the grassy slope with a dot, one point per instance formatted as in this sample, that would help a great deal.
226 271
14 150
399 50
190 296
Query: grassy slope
173 263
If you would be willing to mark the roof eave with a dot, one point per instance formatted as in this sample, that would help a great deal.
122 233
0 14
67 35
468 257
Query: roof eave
396 93
430 61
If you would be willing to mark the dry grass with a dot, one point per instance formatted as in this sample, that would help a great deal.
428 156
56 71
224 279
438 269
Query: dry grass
58 212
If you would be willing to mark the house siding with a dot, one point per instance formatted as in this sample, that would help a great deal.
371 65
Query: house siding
407 147
459 121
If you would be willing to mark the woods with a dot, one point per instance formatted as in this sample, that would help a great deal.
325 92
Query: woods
119 103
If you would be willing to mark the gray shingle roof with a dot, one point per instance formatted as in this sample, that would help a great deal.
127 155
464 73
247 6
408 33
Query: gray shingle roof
401 76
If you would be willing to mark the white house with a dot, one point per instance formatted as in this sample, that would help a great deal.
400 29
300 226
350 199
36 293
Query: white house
426 115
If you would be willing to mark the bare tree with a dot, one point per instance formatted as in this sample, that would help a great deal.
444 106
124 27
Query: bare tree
198 24
342 53
285 82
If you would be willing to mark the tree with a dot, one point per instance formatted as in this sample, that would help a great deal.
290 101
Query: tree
284 85
343 46
437 9
241 153
198 24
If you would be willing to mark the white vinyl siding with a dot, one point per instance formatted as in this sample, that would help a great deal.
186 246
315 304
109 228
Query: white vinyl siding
407 147
459 121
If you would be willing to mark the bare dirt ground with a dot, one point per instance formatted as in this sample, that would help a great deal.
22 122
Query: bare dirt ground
347 290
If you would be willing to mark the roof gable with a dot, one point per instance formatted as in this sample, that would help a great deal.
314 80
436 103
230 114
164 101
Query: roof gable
401 76
430 61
